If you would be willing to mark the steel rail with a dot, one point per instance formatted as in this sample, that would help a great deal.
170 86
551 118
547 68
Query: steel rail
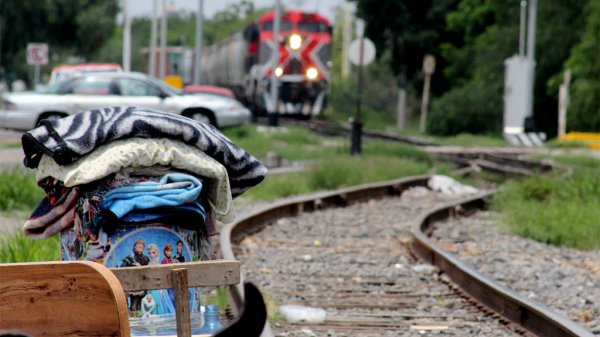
520 311
532 316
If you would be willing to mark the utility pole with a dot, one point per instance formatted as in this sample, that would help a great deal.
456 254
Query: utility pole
531 22
522 28
199 32
126 38
274 81
163 42
346 32
153 28
428 69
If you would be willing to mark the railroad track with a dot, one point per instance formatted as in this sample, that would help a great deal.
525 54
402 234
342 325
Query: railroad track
367 277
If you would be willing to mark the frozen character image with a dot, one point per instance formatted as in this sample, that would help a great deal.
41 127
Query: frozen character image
179 256
137 258
163 299
168 252
154 254
148 304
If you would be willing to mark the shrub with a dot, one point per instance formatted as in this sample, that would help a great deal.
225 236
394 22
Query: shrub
473 108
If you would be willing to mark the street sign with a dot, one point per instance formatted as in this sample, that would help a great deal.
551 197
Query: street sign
428 64
368 52
37 53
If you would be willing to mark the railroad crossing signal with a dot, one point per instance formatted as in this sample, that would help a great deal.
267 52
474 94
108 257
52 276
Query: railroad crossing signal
37 53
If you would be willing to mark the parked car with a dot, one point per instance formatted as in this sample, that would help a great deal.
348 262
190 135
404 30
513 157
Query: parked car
208 89
65 71
24 111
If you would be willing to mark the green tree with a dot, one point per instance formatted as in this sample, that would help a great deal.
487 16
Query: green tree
490 34
584 62
409 29
73 27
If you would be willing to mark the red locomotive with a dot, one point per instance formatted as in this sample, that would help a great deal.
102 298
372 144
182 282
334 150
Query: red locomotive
244 62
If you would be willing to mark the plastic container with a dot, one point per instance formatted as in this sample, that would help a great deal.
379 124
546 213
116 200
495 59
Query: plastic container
212 324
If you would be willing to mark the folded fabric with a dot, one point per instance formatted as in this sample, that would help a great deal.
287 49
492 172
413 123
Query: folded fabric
190 216
88 219
68 139
141 154
55 190
172 190
47 219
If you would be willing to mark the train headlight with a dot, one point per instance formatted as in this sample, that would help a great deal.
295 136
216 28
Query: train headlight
278 71
312 73
295 41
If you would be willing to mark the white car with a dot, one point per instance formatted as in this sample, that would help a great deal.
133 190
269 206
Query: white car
25 110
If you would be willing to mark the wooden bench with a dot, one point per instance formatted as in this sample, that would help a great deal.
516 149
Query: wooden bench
87 299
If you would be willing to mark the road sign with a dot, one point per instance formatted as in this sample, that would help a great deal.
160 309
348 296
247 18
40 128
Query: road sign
368 52
37 53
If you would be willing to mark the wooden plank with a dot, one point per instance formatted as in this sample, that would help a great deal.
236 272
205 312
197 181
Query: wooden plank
62 299
200 274
179 279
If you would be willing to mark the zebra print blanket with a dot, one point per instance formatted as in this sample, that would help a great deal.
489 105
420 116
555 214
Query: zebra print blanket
69 138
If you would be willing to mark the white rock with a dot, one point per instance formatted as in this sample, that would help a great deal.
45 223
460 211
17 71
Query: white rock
298 313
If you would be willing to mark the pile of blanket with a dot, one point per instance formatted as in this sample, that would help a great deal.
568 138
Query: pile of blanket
109 169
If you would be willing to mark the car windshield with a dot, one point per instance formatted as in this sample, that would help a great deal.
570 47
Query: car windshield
55 87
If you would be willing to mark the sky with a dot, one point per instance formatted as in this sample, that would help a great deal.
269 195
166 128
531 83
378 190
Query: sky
139 8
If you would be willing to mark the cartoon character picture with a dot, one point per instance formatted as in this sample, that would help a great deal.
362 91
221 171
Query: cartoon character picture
168 252
150 245
137 258
179 256
154 254
148 305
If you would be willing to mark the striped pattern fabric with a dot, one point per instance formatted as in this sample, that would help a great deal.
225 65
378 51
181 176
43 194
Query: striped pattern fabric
67 139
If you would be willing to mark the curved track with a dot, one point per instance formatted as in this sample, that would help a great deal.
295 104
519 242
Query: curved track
520 312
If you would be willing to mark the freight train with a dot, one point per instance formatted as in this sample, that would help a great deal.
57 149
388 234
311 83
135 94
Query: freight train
245 62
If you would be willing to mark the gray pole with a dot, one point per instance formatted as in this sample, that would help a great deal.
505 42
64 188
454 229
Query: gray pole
198 56
531 29
522 28
126 38
346 32
152 60
274 82
531 23
163 42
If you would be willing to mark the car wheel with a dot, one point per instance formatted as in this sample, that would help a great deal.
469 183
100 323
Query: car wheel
204 117
49 117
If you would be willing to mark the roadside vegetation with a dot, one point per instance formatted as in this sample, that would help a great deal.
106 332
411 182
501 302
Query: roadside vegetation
554 209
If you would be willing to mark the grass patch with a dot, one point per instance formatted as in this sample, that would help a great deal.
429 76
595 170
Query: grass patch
340 170
553 209
575 160
14 145
295 142
18 190
19 248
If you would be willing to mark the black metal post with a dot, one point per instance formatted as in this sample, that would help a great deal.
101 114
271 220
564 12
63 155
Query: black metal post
356 137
